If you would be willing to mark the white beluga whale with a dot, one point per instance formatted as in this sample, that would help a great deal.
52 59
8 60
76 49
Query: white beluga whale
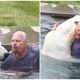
3 30
57 43
2 51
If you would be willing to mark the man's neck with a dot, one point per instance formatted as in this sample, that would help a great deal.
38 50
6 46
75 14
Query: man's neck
22 54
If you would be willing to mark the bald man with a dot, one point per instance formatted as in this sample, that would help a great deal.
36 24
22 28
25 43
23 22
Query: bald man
22 57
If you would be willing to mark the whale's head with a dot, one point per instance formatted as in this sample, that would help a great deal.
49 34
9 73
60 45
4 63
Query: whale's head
57 44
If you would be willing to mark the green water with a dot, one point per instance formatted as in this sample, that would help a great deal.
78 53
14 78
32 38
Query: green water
56 69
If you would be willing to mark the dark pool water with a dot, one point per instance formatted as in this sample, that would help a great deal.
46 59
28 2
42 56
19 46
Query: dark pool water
10 75
50 67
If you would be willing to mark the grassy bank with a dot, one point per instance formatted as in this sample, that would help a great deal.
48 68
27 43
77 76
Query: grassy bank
19 13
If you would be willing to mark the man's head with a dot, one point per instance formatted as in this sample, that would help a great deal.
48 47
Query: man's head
19 44
77 30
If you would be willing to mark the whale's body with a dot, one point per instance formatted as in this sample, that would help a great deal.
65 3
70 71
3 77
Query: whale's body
2 51
56 45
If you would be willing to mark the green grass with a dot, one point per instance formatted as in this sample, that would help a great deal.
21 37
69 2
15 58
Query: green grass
19 13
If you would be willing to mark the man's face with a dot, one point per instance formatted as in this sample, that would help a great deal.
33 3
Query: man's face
77 31
18 44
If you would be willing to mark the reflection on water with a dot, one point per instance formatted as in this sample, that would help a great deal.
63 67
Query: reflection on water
18 75
55 69
50 67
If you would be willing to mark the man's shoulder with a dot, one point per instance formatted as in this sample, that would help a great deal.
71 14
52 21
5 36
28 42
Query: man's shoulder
11 55
34 48
34 53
